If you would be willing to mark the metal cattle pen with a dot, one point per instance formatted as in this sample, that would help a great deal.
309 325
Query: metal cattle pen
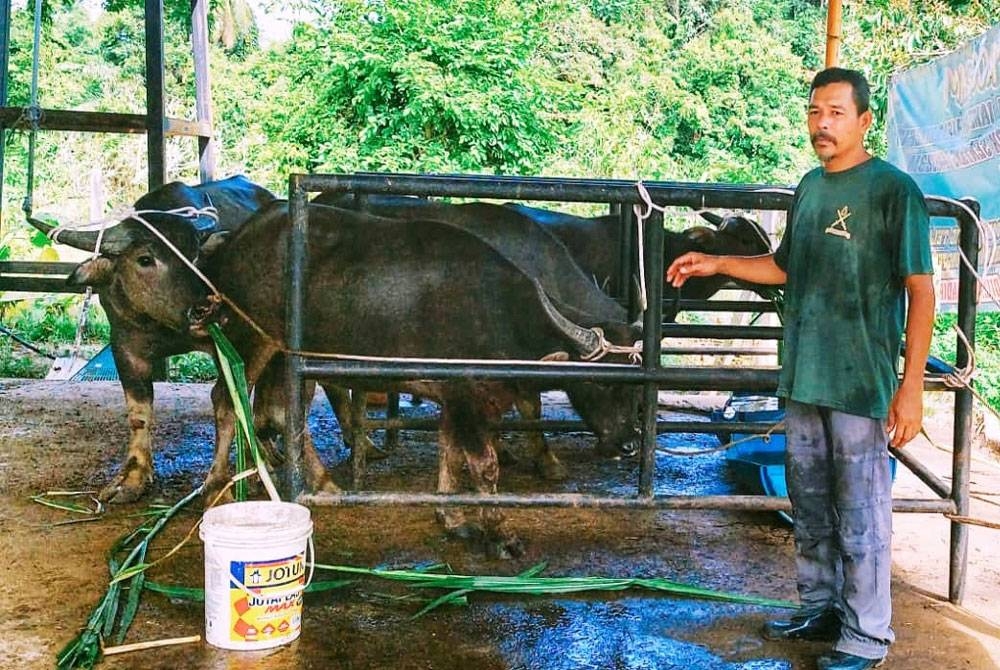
651 374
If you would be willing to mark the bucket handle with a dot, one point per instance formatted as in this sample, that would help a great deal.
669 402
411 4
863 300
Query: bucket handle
310 549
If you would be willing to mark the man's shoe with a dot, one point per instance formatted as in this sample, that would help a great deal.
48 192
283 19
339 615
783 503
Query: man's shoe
824 627
841 661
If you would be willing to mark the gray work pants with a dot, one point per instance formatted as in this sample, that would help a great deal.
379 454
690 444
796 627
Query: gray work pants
839 482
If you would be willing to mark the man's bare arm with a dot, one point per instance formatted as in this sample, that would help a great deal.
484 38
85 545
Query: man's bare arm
754 269
906 412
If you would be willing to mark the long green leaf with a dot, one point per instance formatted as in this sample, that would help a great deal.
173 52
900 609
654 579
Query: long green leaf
556 585
459 596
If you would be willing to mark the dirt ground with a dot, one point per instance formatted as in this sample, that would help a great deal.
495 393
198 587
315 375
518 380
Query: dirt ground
61 436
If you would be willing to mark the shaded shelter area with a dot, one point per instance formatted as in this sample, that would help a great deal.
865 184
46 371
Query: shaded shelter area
52 575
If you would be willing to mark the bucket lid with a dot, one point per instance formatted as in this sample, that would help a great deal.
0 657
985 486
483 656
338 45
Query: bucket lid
256 516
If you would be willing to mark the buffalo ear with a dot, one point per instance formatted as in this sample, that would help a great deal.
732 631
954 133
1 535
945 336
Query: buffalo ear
212 244
95 272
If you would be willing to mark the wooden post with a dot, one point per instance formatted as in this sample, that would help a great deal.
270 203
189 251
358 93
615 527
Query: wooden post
155 112
833 33
4 73
202 87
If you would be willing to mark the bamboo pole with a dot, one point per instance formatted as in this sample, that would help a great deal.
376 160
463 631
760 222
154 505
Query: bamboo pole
833 32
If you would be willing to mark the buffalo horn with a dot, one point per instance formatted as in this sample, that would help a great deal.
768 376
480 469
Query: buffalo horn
586 340
712 218
114 238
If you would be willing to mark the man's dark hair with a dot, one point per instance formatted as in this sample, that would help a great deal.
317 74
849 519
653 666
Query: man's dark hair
859 84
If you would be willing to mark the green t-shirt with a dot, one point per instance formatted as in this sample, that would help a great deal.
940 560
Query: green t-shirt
852 239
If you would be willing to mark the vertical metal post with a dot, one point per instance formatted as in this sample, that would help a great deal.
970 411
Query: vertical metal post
294 283
962 459
155 112
202 87
653 258
628 261
4 74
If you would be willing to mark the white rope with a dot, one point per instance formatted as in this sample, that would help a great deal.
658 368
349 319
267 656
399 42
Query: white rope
766 437
605 347
640 222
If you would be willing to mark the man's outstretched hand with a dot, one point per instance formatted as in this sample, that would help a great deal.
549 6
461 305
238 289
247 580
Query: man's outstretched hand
691 264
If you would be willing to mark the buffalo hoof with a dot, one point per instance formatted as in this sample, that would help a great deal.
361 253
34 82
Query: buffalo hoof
550 469
129 486
465 531
618 452
323 485
506 457
504 548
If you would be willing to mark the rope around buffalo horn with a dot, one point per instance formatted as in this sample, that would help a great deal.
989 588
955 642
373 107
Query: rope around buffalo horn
605 347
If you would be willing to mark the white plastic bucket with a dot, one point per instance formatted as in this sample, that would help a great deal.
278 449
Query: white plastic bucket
255 573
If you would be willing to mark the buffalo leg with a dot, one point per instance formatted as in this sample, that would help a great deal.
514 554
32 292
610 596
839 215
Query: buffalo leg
136 472
545 462
225 422
469 427
269 425
359 454
450 459
340 401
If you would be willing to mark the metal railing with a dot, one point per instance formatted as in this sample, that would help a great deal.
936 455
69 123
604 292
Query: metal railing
651 375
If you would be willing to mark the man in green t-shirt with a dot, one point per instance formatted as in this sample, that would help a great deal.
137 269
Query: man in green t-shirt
857 245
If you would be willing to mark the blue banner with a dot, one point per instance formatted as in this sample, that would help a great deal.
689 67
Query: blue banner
944 130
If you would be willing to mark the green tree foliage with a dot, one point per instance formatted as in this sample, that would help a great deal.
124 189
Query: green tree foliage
700 90
418 85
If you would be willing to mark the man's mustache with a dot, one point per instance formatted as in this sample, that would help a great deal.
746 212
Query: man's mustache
816 137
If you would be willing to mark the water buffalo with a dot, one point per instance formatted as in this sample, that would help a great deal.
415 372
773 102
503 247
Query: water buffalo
380 287
139 337
593 243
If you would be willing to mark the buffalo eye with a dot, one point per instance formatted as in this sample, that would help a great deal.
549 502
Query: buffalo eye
146 261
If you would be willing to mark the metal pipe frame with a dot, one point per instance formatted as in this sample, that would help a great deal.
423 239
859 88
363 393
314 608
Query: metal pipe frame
650 374
962 457
585 501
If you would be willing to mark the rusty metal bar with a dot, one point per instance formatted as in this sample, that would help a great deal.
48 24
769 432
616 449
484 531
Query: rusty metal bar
687 305
653 246
586 501
722 332
962 459
294 282
922 472
678 379
567 425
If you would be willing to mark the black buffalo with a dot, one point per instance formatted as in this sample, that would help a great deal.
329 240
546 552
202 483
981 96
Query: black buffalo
379 287
593 243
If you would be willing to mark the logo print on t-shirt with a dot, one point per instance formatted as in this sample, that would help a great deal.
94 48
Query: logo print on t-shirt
839 227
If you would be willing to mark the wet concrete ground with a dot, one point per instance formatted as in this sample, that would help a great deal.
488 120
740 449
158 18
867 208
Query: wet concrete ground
70 436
